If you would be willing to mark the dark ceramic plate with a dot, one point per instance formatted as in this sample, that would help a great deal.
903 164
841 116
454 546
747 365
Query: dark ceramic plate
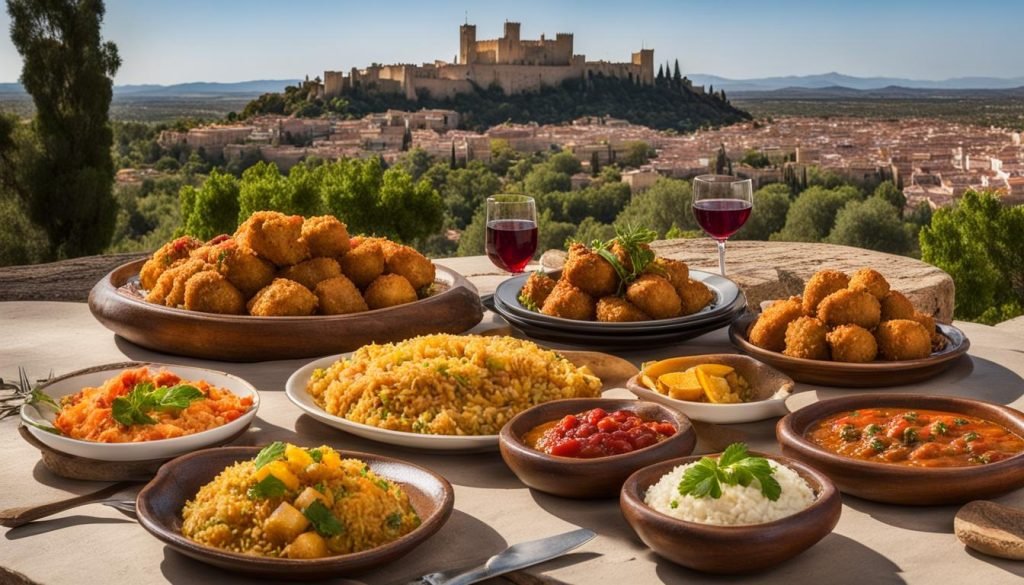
161 501
875 374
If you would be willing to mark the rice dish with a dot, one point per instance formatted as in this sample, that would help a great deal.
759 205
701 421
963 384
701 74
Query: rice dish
447 384
738 505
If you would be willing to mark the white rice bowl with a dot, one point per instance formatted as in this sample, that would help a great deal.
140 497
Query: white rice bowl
738 505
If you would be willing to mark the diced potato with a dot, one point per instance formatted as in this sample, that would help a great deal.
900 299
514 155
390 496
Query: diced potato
719 370
310 495
285 523
298 456
682 385
331 460
308 545
279 469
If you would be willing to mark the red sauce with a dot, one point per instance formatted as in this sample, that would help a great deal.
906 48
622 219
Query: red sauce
919 438
596 433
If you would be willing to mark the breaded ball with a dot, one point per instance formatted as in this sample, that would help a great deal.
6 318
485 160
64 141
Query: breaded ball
871 281
311 272
675 271
363 263
769 330
903 339
407 262
163 258
274 236
614 309
655 296
850 307
896 306
805 338
821 285
852 344
694 296
283 298
338 296
569 302
924 319
389 290
170 287
589 272
623 256
325 235
210 292
240 265
536 290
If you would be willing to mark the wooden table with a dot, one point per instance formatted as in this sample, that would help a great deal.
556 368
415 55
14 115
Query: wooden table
873 543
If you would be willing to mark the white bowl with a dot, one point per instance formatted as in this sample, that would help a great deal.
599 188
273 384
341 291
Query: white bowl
72 383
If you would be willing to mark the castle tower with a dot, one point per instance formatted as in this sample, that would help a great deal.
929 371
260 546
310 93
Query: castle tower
467 44
563 49
512 31
645 59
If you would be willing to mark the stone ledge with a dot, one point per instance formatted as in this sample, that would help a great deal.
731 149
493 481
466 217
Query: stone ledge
1014 326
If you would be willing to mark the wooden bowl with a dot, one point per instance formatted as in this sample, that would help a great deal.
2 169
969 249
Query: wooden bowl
160 503
601 477
729 549
122 309
870 375
900 484
770 387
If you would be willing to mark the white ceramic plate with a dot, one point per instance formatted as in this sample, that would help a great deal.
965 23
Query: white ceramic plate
143 450
720 413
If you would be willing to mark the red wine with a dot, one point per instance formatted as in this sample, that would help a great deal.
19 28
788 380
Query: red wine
721 218
511 243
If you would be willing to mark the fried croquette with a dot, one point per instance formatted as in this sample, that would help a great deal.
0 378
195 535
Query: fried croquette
170 287
569 302
939 340
312 271
363 263
612 309
163 258
675 271
210 292
850 307
241 266
274 236
589 272
338 296
852 344
623 256
903 339
283 298
389 290
406 261
769 330
536 290
806 338
870 281
694 296
896 306
325 235
655 296
821 285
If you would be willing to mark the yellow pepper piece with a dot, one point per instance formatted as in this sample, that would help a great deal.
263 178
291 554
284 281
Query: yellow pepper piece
278 469
298 456
717 388
331 459
681 385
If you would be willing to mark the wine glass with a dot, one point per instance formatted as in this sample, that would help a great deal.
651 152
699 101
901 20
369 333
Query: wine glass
511 231
722 204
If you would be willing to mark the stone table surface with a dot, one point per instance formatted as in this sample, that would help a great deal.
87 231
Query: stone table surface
873 543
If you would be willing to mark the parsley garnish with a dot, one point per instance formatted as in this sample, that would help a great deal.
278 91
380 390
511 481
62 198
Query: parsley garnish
132 409
735 466
971 436
960 421
322 519
394 521
383 484
269 487
317 456
271 452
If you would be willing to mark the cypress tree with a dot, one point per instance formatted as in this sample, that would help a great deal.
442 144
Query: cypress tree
677 76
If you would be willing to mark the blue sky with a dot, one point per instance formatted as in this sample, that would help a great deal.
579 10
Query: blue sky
173 41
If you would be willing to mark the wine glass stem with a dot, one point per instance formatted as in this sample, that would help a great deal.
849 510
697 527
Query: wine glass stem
721 257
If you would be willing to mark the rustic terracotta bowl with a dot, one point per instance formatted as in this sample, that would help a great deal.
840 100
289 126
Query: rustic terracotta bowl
729 549
770 386
588 478
900 484
160 503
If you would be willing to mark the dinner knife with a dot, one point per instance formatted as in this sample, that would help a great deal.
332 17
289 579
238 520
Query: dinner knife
513 558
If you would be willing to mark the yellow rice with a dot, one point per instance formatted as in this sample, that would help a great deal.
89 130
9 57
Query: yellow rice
447 384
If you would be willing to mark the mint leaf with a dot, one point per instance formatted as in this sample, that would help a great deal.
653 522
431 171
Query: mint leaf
177 397
132 408
322 519
269 487
732 454
271 452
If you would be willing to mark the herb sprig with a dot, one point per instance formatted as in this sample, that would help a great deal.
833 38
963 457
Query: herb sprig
633 242
735 466
134 408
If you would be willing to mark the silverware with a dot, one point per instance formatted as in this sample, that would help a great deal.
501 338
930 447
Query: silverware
513 558
13 517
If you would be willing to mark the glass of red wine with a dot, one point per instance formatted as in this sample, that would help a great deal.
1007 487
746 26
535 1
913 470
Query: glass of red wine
722 204
511 231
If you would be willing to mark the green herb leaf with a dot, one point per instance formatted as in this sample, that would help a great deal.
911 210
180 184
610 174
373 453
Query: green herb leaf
269 487
734 467
732 454
394 521
132 408
701 480
317 456
271 452
323 520
759 468
971 436
177 397
47 428
39 397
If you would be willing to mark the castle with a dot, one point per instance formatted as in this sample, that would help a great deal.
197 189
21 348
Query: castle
511 63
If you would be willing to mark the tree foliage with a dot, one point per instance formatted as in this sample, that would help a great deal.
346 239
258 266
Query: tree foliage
665 205
771 205
813 213
212 209
872 224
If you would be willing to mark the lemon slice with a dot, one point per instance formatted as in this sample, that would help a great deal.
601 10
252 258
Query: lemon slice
720 370
681 385
717 388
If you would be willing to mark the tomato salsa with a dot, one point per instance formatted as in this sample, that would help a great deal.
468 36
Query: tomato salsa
596 433
919 438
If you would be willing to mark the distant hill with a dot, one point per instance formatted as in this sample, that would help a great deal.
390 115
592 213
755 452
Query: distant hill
889 93
833 79
197 88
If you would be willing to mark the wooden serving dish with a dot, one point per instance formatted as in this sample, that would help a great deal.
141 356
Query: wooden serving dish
243 338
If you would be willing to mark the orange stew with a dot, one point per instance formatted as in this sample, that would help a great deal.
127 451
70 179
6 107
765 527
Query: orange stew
597 433
920 438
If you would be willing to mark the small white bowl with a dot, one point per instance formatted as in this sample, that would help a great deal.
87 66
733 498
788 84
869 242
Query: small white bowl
72 383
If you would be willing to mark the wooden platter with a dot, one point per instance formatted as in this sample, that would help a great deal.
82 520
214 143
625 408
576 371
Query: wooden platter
117 304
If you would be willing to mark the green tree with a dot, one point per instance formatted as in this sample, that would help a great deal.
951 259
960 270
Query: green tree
771 204
564 162
413 210
466 189
813 213
68 70
590 229
666 204
756 158
471 240
543 179
416 162
887 190
212 209
873 224
551 234
502 156
637 154
262 188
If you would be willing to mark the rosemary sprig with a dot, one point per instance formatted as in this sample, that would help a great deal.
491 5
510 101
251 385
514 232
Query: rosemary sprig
14 394
633 241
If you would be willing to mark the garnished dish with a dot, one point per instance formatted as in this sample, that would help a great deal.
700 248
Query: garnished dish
281 265
298 503
597 433
916 437
615 281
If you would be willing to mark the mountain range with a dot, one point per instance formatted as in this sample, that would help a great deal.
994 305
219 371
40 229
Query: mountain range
833 79
197 88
